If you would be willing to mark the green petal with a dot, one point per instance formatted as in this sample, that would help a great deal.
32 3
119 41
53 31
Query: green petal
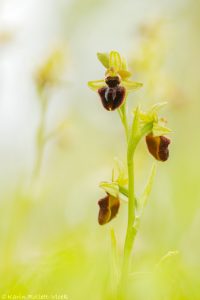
144 117
131 85
124 74
104 59
96 84
115 60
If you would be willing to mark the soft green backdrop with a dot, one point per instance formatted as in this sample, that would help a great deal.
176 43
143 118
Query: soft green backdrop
50 241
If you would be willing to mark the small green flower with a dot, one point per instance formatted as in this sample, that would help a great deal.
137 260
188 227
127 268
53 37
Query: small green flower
116 84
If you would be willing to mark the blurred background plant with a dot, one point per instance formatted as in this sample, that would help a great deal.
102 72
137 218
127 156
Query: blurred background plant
59 245
151 59
47 77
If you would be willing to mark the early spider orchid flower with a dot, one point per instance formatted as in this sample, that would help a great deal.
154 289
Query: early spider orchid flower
157 142
116 191
113 88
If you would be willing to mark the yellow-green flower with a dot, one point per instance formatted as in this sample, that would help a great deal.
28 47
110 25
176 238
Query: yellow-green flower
49 72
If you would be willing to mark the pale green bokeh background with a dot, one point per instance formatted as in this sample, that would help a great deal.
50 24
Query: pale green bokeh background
50 240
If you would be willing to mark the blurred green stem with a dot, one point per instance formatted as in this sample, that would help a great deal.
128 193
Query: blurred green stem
40 138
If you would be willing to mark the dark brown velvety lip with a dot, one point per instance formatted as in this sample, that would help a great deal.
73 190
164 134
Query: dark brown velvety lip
158 146
112 98
108 209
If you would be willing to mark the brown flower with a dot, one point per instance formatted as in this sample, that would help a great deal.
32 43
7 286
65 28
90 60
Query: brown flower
108 209
158 146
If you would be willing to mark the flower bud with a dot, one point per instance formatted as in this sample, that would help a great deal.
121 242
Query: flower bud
108 209
158 146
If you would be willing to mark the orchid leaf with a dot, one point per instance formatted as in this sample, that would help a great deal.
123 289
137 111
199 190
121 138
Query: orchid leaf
147 190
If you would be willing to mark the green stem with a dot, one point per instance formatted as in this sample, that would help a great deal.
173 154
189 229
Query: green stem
134 137
130 232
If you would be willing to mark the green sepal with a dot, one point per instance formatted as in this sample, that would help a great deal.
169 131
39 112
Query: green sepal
115 61
95 85
131 85
104 59
124 74
158 106
111 188
159 130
